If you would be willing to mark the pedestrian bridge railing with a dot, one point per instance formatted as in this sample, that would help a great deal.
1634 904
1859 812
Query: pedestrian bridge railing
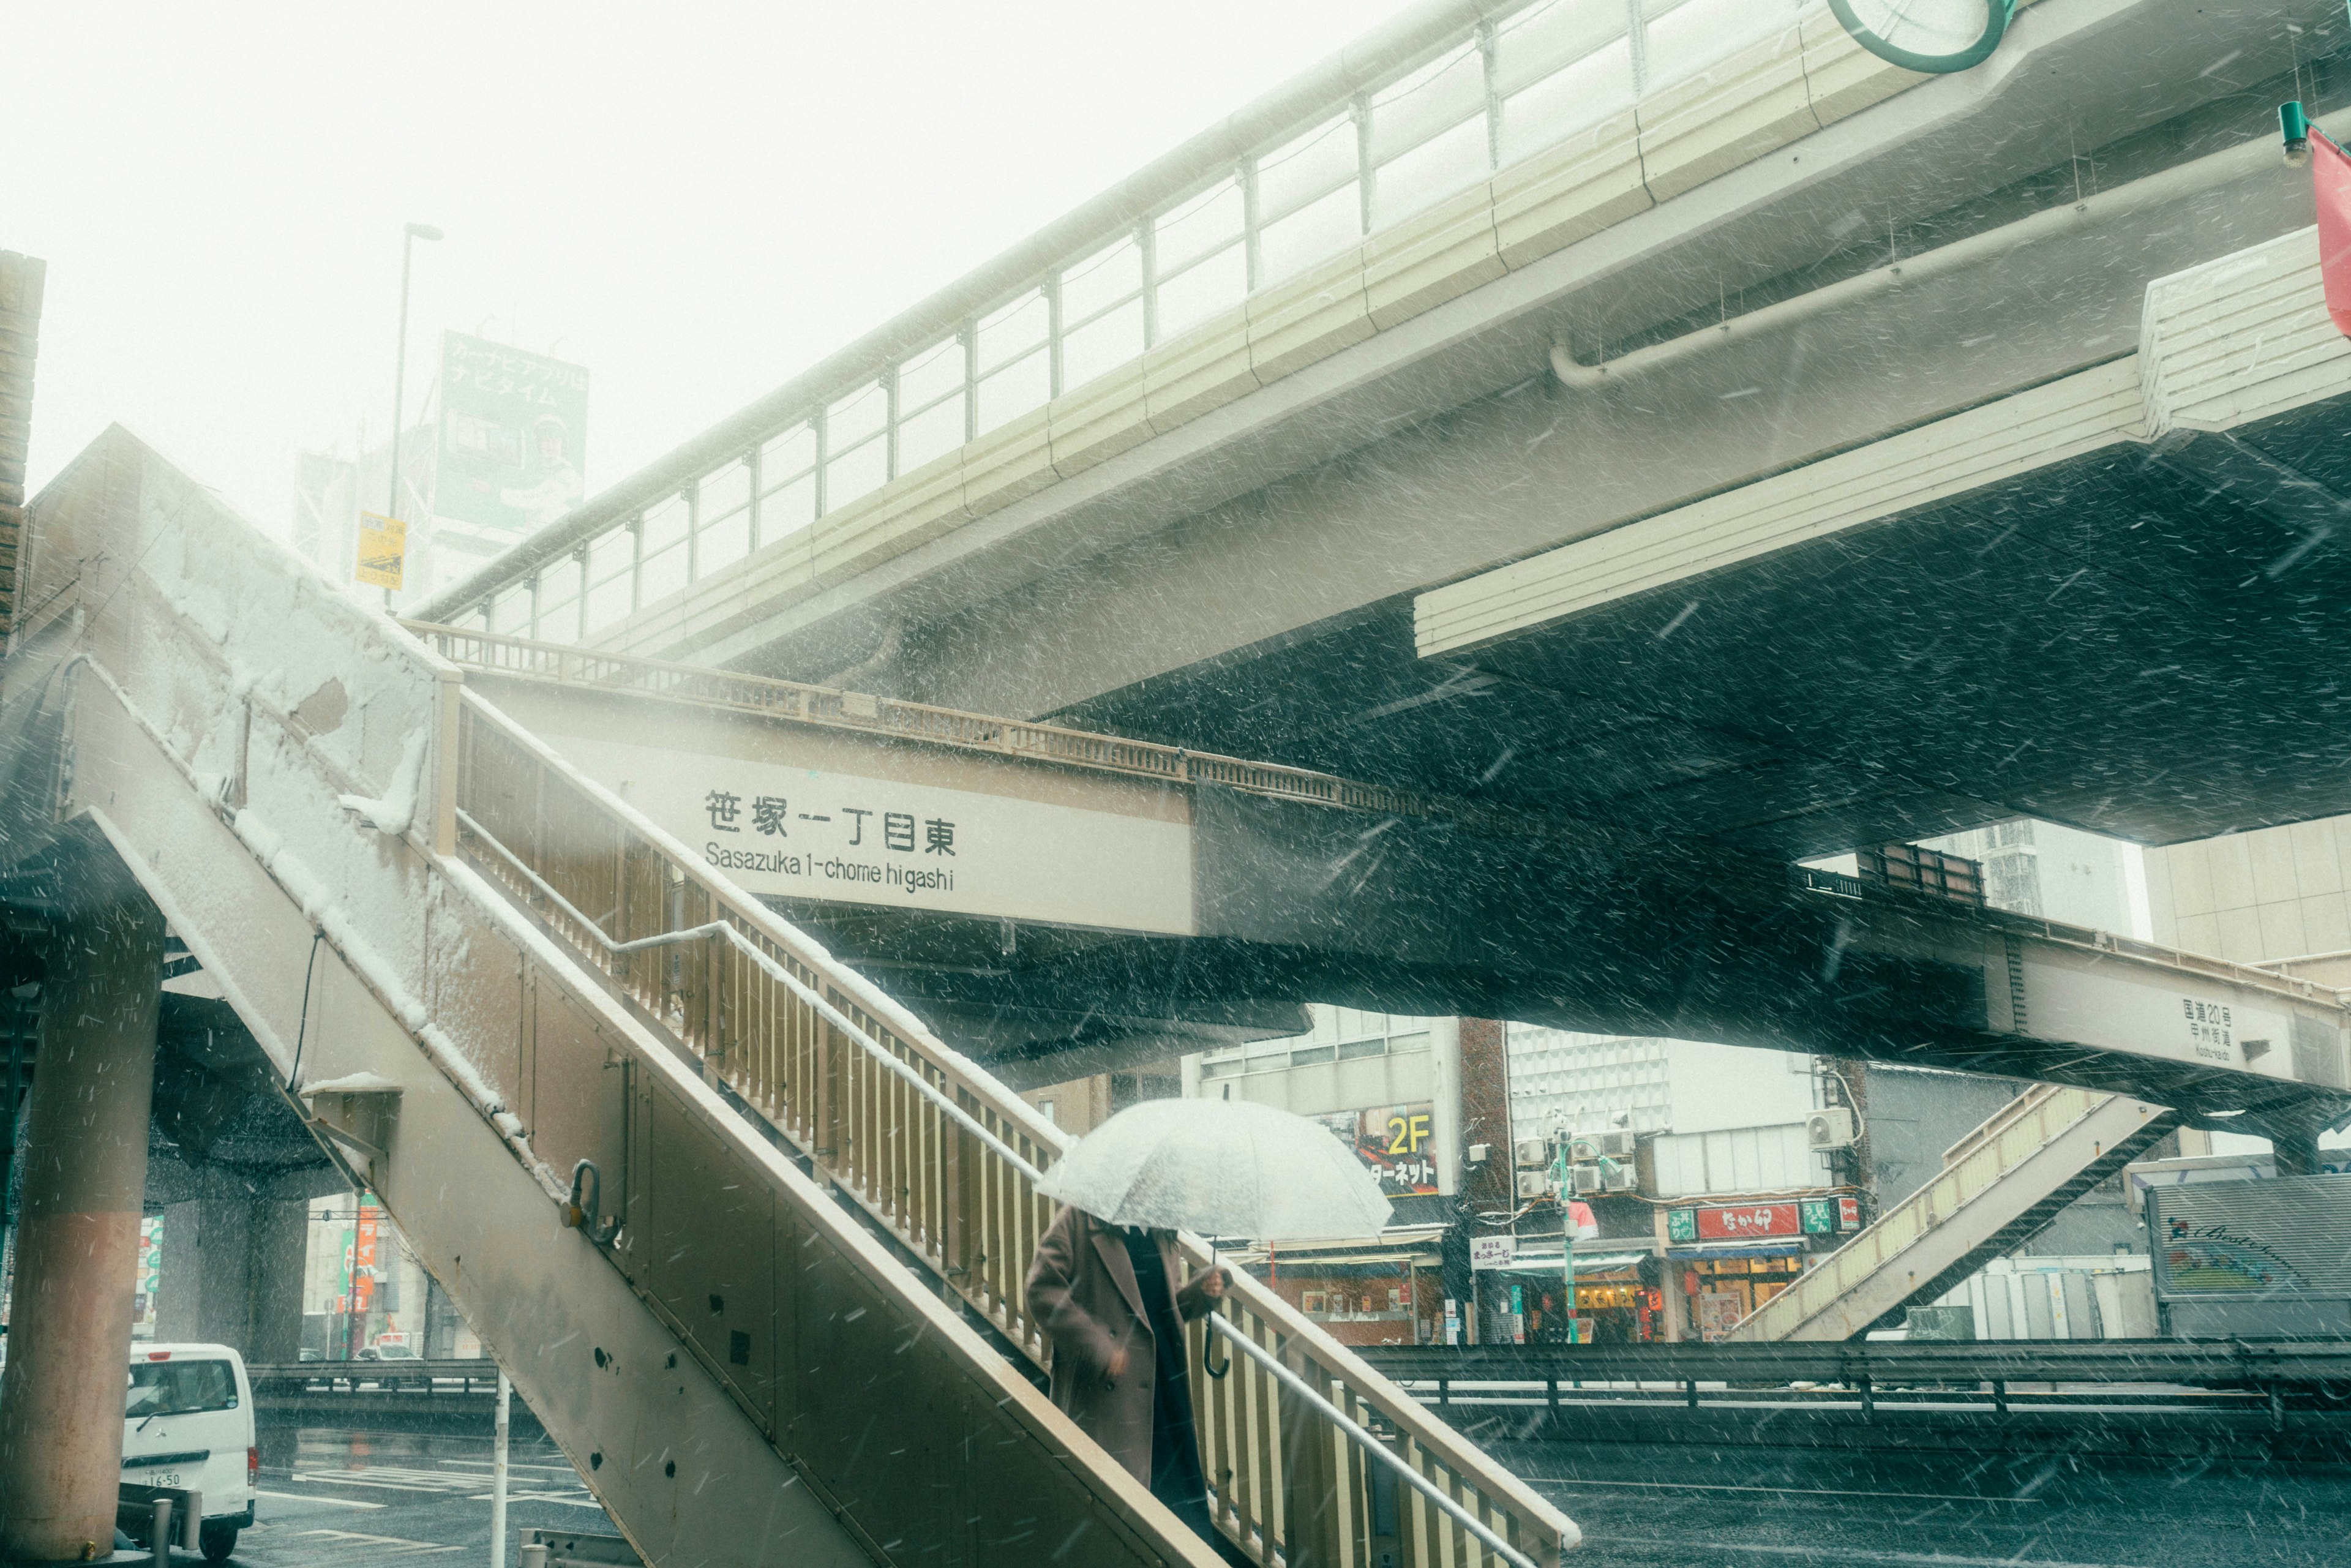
942 1159
1462 141
1999 1185
891 718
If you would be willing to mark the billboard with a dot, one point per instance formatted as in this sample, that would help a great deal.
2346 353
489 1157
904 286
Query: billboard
513 438
1396 1141
2289 1237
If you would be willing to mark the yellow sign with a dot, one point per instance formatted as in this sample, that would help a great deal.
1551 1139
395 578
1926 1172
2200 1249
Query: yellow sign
383 550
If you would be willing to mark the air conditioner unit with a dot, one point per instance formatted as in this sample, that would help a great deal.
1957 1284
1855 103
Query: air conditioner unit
1533 1154
1587 1178
1536 1184
1829 1129
1610 1143
1619 1178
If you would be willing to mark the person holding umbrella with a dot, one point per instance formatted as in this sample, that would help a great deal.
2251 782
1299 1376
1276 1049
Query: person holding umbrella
1107 1296
1104 1283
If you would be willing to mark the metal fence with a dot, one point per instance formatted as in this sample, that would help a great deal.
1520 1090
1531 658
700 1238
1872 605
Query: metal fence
1418 112
945 1159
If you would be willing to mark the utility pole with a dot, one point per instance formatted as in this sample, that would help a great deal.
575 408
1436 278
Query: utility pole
409 236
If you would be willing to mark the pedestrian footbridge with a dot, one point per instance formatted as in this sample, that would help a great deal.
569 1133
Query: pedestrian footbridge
1998 1187
1048 895
747 1236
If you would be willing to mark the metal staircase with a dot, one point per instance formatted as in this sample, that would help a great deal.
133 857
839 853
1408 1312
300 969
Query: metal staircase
1998 1187
749 1239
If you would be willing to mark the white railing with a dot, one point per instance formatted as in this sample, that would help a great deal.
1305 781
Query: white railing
1435 102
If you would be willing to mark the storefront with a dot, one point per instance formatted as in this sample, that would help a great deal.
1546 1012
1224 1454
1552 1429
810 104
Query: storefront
1723 1260
1720 1285
1388 1292
1524 1301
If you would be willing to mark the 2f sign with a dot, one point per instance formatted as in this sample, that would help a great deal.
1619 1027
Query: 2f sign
1406 1133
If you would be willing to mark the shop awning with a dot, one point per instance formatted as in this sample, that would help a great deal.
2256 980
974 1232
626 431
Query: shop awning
1585 1262
1399 1245
1790 1248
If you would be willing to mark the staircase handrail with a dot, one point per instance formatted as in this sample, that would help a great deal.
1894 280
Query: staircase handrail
701 906
1990 1126
1918 1216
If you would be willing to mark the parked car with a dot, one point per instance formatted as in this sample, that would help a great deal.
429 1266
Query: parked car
187 1422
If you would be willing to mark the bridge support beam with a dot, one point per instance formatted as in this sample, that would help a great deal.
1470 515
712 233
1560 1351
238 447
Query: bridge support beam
85 1167
2296 1153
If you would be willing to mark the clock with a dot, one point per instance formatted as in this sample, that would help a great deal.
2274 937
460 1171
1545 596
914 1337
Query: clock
1934 36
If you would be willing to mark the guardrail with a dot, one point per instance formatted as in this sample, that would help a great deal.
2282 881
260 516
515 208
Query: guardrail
944 1158
1360 157
442 1376
2251 1363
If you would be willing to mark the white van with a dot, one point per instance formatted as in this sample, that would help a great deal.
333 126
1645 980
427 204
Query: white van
187 1421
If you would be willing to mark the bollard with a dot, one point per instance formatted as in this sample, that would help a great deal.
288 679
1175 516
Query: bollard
162 1537
533 1555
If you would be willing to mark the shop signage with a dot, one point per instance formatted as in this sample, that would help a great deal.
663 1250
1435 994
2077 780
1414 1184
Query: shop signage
1394 1141
1827 1215
1734 1223
382 552
1493 1251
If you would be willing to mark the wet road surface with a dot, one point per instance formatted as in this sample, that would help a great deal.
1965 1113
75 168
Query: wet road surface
1746 1508
349 1497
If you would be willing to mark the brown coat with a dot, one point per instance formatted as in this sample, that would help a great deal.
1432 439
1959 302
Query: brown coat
1081 1291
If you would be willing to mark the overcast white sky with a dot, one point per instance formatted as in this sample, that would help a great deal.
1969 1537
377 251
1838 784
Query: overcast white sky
696 201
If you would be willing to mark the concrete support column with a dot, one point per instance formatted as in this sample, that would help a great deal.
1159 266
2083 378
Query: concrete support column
2296 1153
1459 1283
232 1274
85 1169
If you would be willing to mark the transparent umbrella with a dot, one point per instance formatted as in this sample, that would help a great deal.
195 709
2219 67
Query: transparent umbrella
1223 1168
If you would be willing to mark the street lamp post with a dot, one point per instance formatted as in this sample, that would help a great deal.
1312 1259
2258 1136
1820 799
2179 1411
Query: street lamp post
409 236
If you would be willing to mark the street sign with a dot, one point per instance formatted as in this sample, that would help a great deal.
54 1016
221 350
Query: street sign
383 550
1493 1251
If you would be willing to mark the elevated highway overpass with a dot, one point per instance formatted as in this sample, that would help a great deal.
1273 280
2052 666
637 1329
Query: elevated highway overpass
1802 454
1247 486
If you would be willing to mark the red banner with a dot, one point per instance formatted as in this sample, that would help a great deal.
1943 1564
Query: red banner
1749 1219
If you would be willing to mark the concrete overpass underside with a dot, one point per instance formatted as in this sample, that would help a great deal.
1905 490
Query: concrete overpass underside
2141 641
1394 901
